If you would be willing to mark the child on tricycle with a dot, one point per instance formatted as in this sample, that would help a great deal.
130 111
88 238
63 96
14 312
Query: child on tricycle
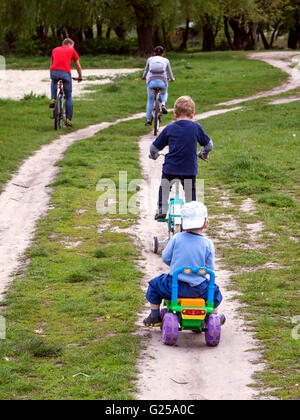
187 249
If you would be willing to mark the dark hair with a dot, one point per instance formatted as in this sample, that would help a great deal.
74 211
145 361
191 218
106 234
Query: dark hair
159 50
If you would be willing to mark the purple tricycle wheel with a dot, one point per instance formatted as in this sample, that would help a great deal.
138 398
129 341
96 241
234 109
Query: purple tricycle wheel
213 331
163 312
170 329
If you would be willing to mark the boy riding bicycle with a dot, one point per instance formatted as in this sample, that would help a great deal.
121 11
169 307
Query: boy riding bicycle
157 71
61 70
182 138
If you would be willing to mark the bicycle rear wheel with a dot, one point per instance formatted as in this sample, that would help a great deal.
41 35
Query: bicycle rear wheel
57 113
156 116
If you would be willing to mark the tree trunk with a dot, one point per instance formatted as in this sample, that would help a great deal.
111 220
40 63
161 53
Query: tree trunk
185 35
264 39
156 37
144 13
89 33
167 42
42 33
10 41
120 32
99 28
227 33
293 39
208 43
145 41
241 39
107 36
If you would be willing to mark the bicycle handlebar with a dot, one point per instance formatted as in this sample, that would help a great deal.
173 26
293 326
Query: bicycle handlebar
163 154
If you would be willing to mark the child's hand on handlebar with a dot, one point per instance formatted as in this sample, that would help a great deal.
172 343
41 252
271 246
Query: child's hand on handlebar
202 157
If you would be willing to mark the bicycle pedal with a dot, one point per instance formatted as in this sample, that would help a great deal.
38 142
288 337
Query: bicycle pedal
162 220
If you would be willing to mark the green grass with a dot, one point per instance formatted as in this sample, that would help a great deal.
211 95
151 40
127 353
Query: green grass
257 155
73 310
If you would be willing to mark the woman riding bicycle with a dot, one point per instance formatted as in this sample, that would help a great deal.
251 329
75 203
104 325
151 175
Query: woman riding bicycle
157 71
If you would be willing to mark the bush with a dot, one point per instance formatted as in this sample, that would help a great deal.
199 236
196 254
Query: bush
107 46
28 47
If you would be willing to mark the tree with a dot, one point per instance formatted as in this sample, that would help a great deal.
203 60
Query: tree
292 23
241 17
144 15
209 15
271 19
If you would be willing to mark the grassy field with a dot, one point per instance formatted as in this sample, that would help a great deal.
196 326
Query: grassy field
71 310
261 160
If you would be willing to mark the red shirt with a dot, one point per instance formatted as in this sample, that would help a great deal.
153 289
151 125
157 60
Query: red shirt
62 58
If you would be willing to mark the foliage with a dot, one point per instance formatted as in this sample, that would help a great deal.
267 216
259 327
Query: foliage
32 25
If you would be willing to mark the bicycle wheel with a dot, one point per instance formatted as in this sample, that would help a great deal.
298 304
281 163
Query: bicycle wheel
56 114
156 116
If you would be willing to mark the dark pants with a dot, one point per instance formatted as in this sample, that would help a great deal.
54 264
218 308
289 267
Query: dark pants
189 186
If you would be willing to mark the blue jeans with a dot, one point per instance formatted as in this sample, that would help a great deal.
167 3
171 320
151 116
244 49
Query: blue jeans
66 78
161 288
151 94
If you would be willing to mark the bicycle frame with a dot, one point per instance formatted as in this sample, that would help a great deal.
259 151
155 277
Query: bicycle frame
175 206
58 112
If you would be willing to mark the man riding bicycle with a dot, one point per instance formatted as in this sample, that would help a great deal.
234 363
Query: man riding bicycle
157 71
61 70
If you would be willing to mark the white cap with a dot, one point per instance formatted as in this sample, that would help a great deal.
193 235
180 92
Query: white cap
194 215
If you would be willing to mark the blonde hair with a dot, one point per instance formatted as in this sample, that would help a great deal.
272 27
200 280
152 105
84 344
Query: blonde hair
68 41
184 106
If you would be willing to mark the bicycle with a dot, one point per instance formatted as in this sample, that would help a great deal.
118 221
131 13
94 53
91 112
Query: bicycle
59 112
157 111
174 219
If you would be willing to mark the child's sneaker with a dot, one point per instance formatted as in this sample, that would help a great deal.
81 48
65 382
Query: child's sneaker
159 215
153 322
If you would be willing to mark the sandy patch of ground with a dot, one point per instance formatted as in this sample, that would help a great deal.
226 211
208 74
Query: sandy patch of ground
17 83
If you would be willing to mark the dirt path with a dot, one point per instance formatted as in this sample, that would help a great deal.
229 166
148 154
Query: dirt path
221 373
